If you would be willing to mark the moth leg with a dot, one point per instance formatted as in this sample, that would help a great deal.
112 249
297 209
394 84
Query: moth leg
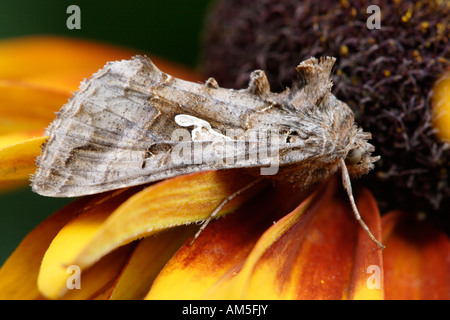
348 188
222 204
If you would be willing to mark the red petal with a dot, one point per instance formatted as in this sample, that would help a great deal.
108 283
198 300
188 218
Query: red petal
416 259
322 252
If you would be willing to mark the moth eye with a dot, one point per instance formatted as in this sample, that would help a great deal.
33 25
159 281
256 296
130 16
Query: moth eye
354 156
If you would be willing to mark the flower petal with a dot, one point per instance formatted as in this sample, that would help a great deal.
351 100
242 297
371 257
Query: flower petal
441 106
18 276
94 280
222 248
88 217
99 231
25 57
146 261
38 75
416 259
18 160
7 140
173 202
61 62
24 106
8 185
316 252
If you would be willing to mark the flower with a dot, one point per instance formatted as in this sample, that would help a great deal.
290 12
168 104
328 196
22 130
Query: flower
272 242
395 76
385 74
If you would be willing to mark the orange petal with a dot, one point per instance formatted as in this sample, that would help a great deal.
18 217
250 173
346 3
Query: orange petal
18 276
146 261
17 160
222 248
416 259
21 58
60 62
25 106
38 75
316 252
10 185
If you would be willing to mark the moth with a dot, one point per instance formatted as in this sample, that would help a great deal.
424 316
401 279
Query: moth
131 124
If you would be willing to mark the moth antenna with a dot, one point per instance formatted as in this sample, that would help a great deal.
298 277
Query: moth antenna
222 204
348 187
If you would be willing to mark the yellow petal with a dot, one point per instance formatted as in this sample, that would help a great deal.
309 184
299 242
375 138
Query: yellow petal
17 159
146 261
97 232
173 202
18 276
18 137
94 280
53 276
222 248
316 252
441 106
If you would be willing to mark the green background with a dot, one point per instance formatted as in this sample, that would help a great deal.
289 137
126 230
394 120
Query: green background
168 28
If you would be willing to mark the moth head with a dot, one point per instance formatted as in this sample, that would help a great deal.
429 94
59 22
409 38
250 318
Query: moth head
358 158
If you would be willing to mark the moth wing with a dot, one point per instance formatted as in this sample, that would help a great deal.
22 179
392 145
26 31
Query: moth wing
111 135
